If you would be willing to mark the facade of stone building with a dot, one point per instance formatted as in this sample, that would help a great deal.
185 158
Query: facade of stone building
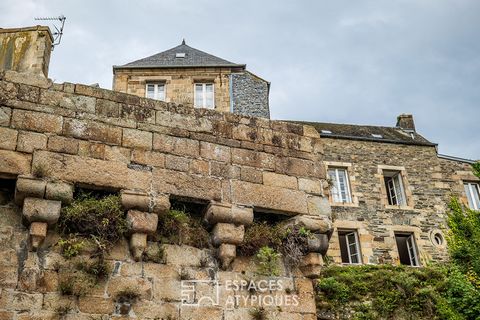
194 78
363 163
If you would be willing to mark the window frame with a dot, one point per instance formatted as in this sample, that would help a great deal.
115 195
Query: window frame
346 233
155 90
348 191
411 247
472 188
393 198
204 94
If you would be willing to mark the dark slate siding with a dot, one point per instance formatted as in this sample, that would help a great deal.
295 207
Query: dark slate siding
250 95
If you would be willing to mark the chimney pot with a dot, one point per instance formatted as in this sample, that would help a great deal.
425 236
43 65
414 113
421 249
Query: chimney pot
405 121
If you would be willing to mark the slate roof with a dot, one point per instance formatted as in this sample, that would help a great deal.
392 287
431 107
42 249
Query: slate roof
168 59
366 133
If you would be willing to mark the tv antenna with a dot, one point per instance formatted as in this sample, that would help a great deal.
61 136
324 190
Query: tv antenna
57 35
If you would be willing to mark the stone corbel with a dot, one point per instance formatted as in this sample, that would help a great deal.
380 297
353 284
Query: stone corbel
42 201
229 222
142 217
320 228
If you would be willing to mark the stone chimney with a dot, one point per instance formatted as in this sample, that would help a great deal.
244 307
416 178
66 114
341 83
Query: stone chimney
26 50
405 121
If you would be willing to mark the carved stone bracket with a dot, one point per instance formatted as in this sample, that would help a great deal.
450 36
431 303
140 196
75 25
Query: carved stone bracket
42 201
229 222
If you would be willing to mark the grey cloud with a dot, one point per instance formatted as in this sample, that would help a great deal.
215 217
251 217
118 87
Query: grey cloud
342 61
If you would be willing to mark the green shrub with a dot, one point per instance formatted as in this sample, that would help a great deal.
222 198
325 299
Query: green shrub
334 290
179 227
268 260
100 219
71 247
258 235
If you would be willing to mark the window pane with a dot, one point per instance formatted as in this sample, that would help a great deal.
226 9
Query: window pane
339 190
472 192
334 190
209 96
198 95
150 91
399 190
161 92
476 197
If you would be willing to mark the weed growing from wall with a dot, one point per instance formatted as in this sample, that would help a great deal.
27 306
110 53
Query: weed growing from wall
181 228
99 219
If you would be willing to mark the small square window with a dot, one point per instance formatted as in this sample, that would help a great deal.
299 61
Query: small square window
473 195
407 249
155 91
349 246
394 186
204 97
340 189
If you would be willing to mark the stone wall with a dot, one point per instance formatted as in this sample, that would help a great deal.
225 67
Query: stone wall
179 83
250 95
26 49
56 137
375 221
455 173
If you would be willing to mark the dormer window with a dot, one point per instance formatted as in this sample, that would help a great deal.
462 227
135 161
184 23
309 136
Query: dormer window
155 91
180 55
204 97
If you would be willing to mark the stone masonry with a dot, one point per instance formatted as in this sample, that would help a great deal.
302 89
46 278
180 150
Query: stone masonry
58 136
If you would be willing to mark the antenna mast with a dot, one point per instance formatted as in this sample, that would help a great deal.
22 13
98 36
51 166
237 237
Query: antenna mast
57 35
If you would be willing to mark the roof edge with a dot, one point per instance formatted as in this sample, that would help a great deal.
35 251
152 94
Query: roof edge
453 158
243 66
345 137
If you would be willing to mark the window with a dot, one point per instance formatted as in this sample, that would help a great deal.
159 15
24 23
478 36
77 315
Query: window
204 95
349 246
340 190
407 249
472 191
394 187
155 91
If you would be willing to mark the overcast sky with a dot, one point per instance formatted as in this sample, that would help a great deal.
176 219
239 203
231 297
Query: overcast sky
361 62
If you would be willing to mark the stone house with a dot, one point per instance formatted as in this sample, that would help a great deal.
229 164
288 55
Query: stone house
389 192
195 78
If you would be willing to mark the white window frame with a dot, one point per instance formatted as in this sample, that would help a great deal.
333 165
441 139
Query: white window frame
411 247
337 198
472 189
396 191
348 234
204 94
155 90
412 251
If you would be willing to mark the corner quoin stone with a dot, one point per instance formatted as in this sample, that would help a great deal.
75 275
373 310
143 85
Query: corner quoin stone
40 210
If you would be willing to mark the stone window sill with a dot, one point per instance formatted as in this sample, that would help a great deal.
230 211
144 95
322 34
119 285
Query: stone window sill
399 207
344 204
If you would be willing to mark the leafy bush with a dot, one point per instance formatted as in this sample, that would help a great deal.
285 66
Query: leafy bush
100 219
71 247
179 227
392 291
268 260
258 235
